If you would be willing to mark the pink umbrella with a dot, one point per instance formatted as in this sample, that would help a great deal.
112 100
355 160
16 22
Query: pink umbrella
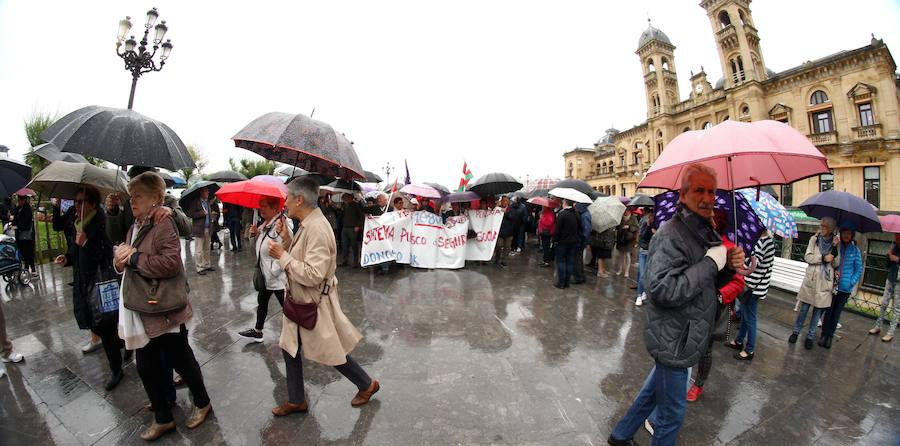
421 190
25 192
744 155
890 223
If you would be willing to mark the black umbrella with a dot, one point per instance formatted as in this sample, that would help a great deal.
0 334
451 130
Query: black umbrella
372 177
226 176
580 186
14 175
495 183
191 193
51 153
342 186
119 136
303 142
641 201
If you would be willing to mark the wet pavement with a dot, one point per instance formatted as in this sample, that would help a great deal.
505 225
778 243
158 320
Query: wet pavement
474 356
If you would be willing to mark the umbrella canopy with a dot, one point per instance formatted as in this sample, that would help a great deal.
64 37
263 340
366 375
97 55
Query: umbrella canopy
25 192
461 197
641 201
749 225
120 137
570 194
890 223
170 182
278 181
580 186
62 179
343 187
744 154
247 193
624 200
50 152
193 192
14 175
421 190
606 212
495 183
372 177
303 142
226 176
540 186
295 172
177 179
771 213
545 202
849 210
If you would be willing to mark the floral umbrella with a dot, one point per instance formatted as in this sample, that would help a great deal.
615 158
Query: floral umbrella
749 224
772 214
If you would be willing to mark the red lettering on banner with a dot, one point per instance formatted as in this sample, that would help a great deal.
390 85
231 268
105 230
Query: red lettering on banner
379 233
452 243
487 236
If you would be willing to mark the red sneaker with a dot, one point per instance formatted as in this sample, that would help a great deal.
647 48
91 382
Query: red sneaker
694 393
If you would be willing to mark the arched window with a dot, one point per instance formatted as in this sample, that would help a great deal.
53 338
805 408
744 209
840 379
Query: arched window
745 18
818 97
740 65
659 134
659 148
724 19
665 64
725 118
745 111
571 169
707 125
686 129
650 67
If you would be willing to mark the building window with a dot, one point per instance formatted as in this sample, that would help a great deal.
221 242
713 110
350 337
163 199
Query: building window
778 241
686 129
787 194
872 184
725 118
724 19
636 157
826 182
821 122
650 67
624 191
571 169
875 271
622 160
745 113
866 117
818 97
707 125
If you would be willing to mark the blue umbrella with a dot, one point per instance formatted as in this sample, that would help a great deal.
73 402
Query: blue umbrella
850 211
749 224
772 214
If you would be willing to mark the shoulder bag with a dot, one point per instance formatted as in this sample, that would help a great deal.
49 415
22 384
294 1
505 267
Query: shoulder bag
155 297
305 314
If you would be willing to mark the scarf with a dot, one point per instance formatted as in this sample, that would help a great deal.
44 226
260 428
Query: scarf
85 220
824 243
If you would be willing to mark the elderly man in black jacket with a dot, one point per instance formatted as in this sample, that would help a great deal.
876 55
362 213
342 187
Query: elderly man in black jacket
566 239
687 265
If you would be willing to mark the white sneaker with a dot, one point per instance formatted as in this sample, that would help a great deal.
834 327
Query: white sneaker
648 426
839 325
639 301
91 346
12 357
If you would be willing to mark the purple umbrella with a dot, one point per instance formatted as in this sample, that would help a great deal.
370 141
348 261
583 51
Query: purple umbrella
749 225
848 210
461 197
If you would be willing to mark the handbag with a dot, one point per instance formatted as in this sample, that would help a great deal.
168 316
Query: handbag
154 297
722 327
103 297
304 314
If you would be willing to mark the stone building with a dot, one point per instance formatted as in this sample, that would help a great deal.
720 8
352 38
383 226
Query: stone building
847 104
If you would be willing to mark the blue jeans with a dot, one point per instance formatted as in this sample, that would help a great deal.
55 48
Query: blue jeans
813 323
565 262
663 390
748 324
642 263
687 386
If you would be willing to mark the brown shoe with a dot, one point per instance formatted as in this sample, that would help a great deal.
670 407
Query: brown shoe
887 338
288 408
875 331
157 430
363 396
198 416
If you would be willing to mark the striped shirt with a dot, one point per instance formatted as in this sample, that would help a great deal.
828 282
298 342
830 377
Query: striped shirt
758 280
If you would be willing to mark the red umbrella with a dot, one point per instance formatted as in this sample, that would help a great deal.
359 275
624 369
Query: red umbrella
248 193
744 155
543 201
890 223
25 192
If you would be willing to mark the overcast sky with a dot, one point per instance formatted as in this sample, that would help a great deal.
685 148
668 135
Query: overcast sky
505 85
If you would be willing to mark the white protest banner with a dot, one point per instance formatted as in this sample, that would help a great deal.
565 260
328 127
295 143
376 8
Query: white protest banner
486 224
451 243
381 237
422 238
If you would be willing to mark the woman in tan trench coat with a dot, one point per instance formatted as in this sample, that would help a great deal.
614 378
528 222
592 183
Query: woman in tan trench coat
816 291
308 259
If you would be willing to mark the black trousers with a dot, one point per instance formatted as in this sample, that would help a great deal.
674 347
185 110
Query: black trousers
178 352
234 234
112 345
833 314
262 309
26 250
294 368
546 246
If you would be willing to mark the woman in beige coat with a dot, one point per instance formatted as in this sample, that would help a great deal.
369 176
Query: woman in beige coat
816 291
308 259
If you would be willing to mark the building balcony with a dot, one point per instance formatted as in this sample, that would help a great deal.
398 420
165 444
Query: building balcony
866 132
727 37
823 139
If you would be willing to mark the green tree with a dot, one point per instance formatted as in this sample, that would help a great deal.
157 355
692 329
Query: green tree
252 167
199 160
34 126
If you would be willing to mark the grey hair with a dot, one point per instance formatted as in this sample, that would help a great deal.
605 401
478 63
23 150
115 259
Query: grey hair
306 188
693 170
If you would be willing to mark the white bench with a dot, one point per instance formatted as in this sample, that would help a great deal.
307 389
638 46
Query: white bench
788 274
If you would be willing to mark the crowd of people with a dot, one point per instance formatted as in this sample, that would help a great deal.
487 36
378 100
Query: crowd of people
693 282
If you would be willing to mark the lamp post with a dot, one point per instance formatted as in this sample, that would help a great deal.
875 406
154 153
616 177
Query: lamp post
139 61
387 171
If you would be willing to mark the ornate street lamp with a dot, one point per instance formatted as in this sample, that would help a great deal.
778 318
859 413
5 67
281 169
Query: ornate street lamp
141 61
387 169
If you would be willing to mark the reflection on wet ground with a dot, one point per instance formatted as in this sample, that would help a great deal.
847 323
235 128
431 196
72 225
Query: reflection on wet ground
474 356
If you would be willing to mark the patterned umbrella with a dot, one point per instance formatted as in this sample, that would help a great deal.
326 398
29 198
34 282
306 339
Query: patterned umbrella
890 223
545 202
772 214
750 226
540 187
606 212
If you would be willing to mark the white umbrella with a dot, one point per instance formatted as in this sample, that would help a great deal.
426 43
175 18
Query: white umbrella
606 212
570 194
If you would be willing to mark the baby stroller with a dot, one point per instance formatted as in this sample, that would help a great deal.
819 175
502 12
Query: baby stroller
11 262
